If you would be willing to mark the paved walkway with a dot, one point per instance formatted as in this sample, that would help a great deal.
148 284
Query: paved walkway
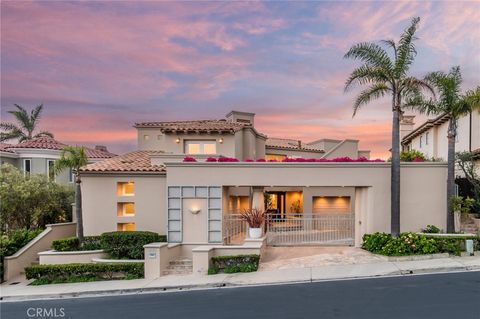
22 291
308 257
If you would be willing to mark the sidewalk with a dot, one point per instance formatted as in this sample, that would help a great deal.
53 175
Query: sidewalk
22 291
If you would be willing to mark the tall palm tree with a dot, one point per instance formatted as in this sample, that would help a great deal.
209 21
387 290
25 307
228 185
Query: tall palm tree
25 127
455 104
387 74
73 158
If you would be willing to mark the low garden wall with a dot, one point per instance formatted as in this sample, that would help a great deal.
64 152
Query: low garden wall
68 257
158 256
15 264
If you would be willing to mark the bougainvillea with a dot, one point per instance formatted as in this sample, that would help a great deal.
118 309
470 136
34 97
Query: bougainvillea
211 159
295 160
189 159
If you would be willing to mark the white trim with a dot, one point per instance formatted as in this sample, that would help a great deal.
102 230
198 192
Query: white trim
37 153
48 169
8 154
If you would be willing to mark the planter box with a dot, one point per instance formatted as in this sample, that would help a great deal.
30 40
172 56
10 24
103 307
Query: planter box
69 257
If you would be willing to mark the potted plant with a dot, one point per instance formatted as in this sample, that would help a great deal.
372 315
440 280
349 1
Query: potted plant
255 219
461 208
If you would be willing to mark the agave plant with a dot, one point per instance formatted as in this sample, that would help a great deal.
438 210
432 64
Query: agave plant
254 217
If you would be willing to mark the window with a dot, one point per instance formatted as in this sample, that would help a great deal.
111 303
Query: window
71 177
426 138
125 226
275 157
200 147
421 141
125 189
50 170
27 167
126 209
146 137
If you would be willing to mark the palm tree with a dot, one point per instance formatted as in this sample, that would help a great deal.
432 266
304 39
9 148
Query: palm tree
451 102
73 158
25 127
388 75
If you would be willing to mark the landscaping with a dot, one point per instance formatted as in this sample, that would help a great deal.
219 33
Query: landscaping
118 244
68 273
234 264
417 244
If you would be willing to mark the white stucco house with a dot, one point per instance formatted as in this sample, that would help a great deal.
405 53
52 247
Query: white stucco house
312 197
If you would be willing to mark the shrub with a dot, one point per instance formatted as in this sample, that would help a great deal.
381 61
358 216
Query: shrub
431 229
416 244
412 156
12 242
227 159
211 159
128 244
47 274
72 244
189 159
233 264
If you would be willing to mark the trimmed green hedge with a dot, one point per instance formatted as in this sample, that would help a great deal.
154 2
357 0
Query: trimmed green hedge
72 244
233 264
416 244
129 244
49 274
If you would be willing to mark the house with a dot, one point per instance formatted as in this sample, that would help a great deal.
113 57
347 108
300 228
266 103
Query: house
178 184
37 156
430 137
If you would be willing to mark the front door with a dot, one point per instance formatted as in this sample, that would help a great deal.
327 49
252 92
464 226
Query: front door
276 204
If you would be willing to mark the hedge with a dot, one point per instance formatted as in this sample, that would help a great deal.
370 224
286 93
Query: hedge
233 264
129 244
416 244
47 274
72 244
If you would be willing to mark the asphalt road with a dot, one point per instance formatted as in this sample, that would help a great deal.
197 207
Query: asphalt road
428 296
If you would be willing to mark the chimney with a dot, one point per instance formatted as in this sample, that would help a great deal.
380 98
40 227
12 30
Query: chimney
299 144
102 148
406 125
241 117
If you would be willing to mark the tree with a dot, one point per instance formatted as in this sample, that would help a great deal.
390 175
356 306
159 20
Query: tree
454 104
388 75
26 125
31 202
73 158
466 162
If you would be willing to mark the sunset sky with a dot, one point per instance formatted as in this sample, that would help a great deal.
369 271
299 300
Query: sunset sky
98 67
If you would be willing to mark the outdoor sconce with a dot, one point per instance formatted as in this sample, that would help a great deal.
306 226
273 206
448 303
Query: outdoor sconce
195 211
177 140
220 140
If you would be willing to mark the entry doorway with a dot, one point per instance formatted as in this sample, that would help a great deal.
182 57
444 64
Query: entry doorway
275 203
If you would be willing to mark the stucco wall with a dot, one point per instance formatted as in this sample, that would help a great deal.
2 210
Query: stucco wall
293 153
99 198
423 186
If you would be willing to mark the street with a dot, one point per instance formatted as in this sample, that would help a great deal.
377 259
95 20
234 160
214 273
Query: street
455 295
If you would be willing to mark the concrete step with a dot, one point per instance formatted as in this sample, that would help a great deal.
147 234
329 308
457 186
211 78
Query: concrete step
179 262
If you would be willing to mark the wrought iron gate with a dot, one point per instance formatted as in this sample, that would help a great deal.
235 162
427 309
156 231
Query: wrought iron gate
335 229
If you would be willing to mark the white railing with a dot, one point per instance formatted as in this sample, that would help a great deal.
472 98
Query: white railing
234 229
335 229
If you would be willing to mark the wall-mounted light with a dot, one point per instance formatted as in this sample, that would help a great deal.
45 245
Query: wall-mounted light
195 210
220 140
177 140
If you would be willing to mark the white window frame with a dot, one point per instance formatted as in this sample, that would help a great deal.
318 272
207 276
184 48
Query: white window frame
24 166
421 140
427 138
48 169
201 144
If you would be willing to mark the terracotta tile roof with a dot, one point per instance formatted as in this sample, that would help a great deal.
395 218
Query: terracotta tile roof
289 144
93 153
195 126
137 161
49 143
425 127
5 147
46 143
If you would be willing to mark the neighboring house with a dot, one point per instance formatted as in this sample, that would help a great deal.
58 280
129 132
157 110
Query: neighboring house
430 137
197 203
37 156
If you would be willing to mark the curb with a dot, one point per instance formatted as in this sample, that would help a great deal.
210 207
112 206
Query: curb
117 292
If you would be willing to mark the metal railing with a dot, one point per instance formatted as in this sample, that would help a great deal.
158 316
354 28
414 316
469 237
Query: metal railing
335 229
234 229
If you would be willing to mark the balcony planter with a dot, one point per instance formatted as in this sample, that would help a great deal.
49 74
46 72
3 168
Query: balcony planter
255 233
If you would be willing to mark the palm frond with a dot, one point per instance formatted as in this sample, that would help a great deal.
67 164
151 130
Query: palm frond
43 133
406 50
374 92
6 136
366 74
391 44
371 54
72 157
35 114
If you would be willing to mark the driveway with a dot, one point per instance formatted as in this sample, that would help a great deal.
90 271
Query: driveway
314 256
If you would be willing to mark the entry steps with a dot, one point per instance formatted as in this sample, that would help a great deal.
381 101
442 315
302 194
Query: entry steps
179 266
